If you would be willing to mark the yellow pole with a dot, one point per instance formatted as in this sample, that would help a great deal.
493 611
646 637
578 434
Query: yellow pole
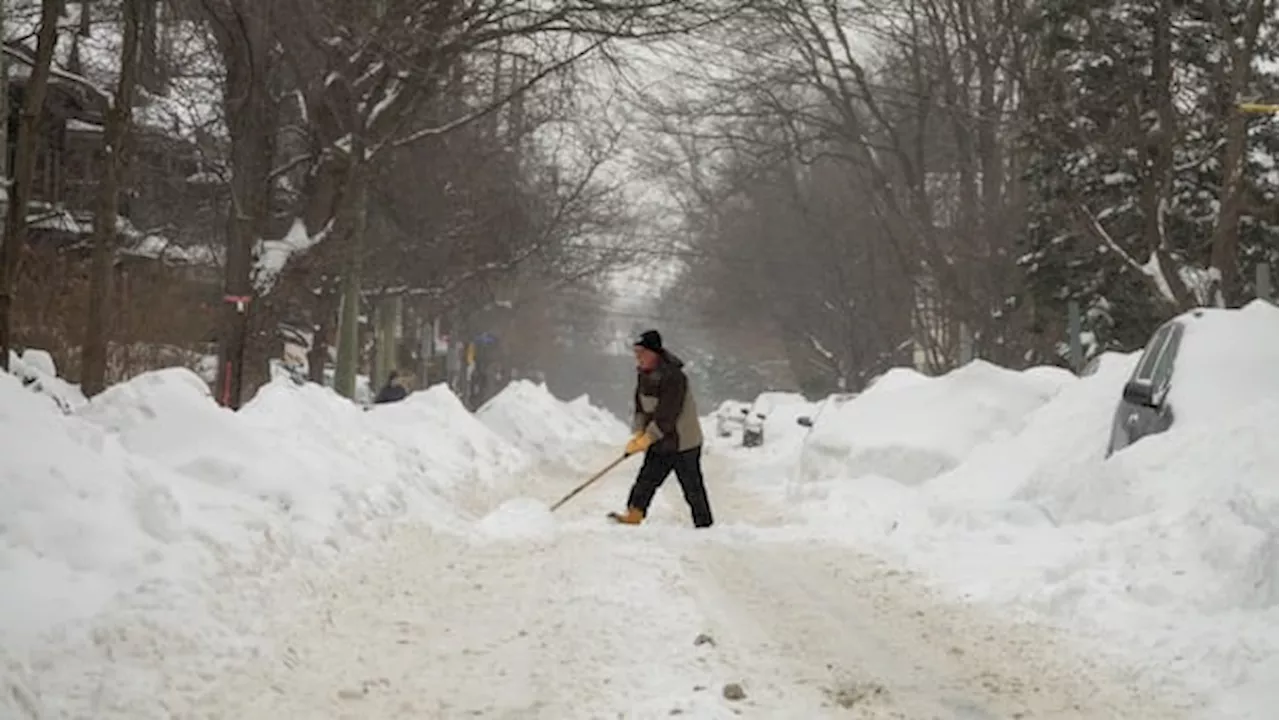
1259 108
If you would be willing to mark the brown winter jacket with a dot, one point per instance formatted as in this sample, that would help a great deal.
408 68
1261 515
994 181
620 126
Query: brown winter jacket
664 407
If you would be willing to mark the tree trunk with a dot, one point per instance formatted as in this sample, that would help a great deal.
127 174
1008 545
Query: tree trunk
1226 236
326 311
1158 183
24 168
249 118
4 107
385 339
375 341
93 355
344 380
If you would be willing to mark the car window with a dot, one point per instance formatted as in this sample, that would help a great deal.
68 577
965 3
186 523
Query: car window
1151 356
1162 373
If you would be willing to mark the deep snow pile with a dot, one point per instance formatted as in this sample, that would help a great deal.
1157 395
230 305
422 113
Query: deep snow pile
909 428
527 415
782 434
37 371
726 418
781 410
1164 553
152 490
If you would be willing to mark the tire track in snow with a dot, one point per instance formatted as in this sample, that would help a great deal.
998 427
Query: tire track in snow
802 618
596 621
797 618
583 623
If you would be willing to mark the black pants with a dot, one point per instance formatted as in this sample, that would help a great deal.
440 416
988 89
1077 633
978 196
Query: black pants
688 468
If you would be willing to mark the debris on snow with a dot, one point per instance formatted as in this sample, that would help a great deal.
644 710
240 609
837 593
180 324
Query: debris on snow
849 694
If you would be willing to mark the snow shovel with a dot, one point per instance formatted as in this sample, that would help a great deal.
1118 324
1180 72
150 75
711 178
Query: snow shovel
590 480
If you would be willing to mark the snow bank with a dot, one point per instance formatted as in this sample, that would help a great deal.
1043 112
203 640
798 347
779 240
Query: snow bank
781 411
909 428
38 372
530 417
81 519
896 378
151 489
782 434
1165 554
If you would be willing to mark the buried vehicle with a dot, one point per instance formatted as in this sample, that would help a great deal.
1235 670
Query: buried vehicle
833 401
1198 366
753 429
730 414
767 405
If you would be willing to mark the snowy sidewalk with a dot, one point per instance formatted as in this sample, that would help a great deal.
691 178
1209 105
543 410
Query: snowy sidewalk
586 620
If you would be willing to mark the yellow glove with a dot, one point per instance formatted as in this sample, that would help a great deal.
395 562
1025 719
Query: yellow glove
639 443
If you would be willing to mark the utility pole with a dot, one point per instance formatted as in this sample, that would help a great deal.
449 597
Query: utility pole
4 102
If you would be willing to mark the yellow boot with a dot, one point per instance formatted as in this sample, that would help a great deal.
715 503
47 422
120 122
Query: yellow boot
633 516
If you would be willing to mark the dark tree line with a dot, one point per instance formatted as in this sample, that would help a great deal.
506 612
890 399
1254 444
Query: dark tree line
927 181
350 152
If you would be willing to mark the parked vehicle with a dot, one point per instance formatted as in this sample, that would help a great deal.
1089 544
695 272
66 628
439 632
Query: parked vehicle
1142 409
832 402
730 417
1196 367
753 429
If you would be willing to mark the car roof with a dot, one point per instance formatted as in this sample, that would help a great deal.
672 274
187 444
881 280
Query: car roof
1226 358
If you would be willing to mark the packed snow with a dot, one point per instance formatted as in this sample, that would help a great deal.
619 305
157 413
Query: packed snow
954 546
518 518
995 484
151 491
528 416
909 429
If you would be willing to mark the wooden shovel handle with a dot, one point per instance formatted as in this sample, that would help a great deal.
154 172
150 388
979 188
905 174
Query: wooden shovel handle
590 480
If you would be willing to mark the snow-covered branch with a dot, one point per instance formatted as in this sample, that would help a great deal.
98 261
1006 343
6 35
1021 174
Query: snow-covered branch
274 255
25 58
1152 269
502 101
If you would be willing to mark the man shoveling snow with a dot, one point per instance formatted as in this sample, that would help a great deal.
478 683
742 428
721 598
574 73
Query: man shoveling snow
667 431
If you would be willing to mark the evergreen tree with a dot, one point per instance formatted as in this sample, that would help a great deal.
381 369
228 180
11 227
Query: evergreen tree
1128 114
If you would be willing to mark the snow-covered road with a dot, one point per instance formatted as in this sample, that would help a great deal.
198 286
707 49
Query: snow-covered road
586 620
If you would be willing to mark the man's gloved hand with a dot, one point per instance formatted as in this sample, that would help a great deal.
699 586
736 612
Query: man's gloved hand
639 443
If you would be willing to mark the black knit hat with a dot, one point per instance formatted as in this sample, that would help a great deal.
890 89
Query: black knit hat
650 340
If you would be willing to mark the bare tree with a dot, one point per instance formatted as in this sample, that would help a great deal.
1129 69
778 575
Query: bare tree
244 33
15 228
887 133
367 72
116 128
1234 73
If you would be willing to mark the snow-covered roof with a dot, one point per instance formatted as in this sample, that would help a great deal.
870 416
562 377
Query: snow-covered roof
190 107
160 248
58 219
137 243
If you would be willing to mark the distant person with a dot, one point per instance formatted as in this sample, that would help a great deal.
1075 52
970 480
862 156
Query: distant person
393 391
667 431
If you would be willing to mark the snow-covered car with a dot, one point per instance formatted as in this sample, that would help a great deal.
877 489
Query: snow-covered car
766 405
729 416
1193 367
753 429
833 402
